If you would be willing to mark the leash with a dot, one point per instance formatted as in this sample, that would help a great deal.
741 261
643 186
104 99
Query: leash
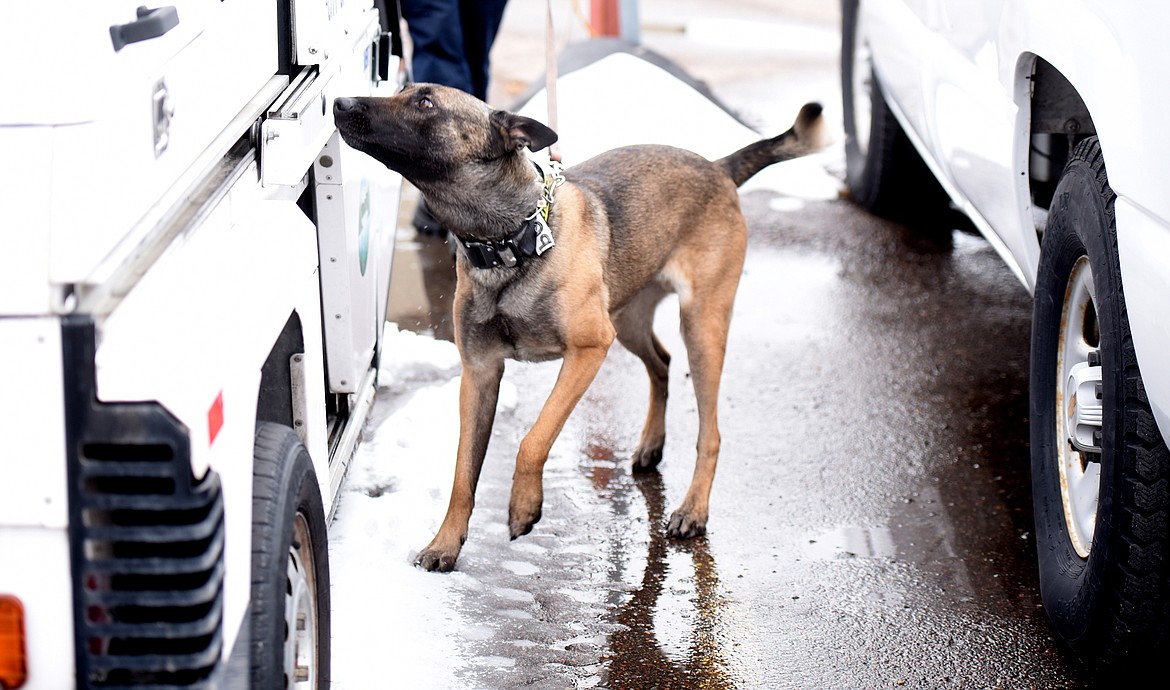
550 79
534 237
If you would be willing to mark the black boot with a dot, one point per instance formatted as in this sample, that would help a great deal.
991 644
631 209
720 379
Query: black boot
424 222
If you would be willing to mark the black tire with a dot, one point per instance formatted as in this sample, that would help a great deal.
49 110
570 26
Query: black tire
290 555
883 171
1110 605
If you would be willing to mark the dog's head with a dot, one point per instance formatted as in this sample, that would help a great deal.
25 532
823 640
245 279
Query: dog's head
431 133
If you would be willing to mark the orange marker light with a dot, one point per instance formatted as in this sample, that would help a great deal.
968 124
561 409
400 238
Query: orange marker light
13 659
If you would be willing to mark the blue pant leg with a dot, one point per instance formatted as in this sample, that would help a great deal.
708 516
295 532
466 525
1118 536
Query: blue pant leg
481 22
436 33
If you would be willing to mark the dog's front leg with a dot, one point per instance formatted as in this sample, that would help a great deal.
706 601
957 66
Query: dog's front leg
577 372
479 390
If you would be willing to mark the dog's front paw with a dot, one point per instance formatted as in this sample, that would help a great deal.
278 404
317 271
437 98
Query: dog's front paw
524 506
436 557
521 520
686 523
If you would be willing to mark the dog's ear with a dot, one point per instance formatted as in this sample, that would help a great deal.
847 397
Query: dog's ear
516 131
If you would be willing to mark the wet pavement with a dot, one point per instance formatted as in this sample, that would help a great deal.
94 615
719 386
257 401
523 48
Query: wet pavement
871 519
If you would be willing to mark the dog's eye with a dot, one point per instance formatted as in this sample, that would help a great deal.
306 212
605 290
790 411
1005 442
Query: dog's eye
424 103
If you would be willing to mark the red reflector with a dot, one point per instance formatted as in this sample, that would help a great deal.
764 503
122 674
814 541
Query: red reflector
215 418
13 659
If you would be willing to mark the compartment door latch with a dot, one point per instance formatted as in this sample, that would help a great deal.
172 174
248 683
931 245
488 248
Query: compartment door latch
151 23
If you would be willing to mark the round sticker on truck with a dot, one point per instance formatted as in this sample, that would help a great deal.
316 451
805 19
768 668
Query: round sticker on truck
364 227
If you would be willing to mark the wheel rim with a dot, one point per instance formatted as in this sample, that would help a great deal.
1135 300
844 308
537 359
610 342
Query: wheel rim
300 609
1077 394
862 87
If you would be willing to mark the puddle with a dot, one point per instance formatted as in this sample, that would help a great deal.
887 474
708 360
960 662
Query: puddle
852 542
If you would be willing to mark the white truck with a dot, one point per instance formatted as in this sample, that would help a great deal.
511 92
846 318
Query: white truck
193 277
1040 121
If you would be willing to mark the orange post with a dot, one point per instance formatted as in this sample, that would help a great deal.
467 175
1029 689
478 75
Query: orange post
604 18
13 658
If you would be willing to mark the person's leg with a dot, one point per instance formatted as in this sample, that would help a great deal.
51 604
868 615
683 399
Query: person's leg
480 23
436 34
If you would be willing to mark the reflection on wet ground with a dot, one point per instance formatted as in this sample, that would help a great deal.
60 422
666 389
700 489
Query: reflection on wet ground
670 632
853 542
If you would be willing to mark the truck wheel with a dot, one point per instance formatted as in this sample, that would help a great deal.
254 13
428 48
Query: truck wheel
1100 467
883 171
290 566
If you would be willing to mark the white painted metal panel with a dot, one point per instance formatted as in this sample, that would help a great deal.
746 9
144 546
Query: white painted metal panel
320 27
24 220
33 489
203 71
36 569
347 296
357 208
296 132
200 324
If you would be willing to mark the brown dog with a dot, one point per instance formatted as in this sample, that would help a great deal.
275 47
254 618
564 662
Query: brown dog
629 226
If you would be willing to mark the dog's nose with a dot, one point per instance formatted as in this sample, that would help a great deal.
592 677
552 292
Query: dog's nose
344 105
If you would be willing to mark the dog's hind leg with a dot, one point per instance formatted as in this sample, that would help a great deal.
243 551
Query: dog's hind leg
635 332
706 316
479 390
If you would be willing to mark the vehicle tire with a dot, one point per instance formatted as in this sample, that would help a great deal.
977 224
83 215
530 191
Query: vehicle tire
289 610
883 171
1102 508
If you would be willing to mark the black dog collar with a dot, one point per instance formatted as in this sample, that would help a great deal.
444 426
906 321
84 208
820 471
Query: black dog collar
532 239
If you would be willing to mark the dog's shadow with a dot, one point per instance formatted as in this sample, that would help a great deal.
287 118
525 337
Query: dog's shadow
639 656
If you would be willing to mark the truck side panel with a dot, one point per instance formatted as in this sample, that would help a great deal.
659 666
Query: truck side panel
34 546
194 335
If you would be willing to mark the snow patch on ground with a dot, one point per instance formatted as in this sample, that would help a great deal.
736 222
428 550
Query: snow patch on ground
391 505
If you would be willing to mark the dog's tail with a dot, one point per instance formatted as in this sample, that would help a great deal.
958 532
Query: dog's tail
806 136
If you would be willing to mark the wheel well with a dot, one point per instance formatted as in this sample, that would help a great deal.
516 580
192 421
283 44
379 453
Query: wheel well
1059 120
275 400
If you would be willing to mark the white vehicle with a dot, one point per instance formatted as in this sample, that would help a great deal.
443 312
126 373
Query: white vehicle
1040 120
193 278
